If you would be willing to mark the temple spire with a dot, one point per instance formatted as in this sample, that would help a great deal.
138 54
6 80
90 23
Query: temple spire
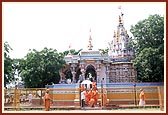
122 18
90 46
69 53
121 21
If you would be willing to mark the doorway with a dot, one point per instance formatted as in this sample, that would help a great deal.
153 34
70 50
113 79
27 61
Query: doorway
91 73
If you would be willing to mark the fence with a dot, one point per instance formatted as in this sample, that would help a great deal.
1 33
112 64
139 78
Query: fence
68 97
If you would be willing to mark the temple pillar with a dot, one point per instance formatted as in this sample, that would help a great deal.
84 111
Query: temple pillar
98 76
98 70
107 72
73 76
73 66
82 76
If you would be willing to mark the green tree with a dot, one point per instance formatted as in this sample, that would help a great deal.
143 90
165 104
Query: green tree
68 74
72 51
40 68
148 44
104 51
8 65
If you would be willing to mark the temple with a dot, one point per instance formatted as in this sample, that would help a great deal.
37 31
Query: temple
93 80
116 66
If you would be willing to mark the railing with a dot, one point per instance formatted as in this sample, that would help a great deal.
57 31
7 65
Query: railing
68 95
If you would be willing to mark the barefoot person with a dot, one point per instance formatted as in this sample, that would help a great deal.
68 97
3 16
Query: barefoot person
47 100
142 98
93 97
87 98
92 101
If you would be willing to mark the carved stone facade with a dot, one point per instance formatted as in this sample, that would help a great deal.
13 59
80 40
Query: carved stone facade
116 66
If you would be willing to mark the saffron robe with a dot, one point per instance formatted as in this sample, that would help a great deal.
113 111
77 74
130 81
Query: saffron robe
47 101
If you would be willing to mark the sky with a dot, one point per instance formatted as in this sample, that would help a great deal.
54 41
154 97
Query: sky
60 25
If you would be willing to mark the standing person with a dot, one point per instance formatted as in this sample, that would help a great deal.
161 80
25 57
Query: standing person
142 98
24 98
39 93
104 97
93 97
30 96
81 78
92 101
47 100
21 98
86 96
82 98
95 90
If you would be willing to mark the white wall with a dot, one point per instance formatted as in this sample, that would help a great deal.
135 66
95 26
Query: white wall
102 74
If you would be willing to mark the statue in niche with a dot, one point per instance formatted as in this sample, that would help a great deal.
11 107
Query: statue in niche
90 77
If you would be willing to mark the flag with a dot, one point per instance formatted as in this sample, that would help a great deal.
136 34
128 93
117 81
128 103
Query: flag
119 7
122 14
69 46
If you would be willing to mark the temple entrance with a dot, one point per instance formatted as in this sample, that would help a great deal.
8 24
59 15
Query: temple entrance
89 95
91 73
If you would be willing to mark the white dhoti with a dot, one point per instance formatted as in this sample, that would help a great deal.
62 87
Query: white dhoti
141 102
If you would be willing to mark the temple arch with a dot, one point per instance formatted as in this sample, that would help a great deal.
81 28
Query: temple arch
91 73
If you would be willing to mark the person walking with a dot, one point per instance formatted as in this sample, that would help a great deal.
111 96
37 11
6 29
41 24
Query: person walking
142 98
47 100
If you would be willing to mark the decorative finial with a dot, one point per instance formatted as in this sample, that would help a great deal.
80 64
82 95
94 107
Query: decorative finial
121 15
119 7
120 19
90 46
69 53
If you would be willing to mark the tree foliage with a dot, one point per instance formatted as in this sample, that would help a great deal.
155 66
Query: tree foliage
104 51
148 44
72 51
40 68
8 65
